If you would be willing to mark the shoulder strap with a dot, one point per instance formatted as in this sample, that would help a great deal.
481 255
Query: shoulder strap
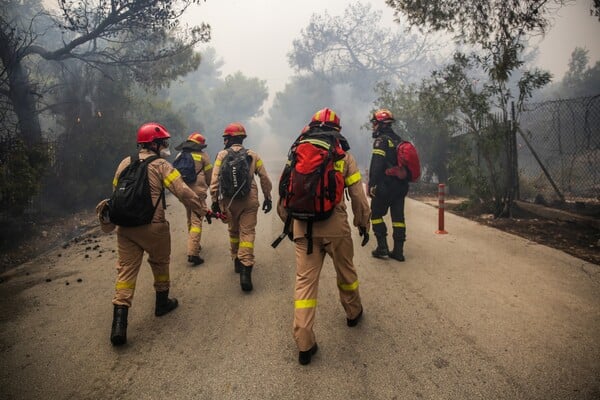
161 196
309 237
286 231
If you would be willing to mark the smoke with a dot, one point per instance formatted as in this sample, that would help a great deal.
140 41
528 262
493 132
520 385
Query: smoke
354 113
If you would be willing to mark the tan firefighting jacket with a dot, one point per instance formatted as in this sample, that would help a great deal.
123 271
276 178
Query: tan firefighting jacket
337 225
256 167
162 174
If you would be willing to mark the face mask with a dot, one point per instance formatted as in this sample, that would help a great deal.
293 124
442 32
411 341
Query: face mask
164 153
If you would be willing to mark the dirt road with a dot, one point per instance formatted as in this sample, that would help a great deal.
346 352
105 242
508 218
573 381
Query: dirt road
475 314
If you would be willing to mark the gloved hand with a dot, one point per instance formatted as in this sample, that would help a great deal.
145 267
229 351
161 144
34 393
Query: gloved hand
372 190
267 205
362 231
215 207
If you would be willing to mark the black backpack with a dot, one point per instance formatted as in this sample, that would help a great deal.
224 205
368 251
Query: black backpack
235 177
131 201
186 166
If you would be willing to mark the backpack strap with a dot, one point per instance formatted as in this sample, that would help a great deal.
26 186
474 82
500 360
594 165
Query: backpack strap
161 196
286 231
308 236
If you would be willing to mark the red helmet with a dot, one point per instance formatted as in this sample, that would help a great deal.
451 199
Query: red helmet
383 115
151 131
326 117
234 129
197 138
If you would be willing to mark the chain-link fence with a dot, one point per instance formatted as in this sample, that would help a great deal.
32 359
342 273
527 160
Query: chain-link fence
558 146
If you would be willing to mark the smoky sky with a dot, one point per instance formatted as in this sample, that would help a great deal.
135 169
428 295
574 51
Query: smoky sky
254 36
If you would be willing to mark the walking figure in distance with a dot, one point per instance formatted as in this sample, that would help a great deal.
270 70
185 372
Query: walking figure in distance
198 179
387 192
235 194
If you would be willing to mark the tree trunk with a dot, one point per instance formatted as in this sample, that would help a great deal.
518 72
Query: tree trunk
22 97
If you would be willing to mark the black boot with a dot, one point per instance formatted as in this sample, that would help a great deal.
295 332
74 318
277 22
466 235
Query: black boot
382 250
398 251
353 322
164 304
195 260
237 265
304 357
246 278
118 334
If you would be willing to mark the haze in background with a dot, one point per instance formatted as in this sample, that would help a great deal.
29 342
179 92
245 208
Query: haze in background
254 36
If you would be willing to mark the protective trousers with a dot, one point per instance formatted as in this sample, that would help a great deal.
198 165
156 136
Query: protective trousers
308 270
155 239
394 201
194 223
242 225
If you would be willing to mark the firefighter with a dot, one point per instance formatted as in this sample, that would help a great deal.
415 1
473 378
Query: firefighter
329 237
153 238
241 213
386 192
195 144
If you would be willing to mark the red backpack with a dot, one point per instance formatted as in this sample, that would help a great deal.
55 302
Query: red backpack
409 166
310 186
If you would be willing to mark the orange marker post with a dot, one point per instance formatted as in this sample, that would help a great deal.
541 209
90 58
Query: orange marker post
441 194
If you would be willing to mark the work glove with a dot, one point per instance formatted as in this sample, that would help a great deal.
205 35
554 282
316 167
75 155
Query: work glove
372 190
267 205
362 231
215 207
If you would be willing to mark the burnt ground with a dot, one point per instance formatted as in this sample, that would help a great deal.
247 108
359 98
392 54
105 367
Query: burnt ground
579 239
22 242
577 236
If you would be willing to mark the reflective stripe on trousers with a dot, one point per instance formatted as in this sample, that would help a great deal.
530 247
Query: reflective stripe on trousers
194 233
308 270
154 239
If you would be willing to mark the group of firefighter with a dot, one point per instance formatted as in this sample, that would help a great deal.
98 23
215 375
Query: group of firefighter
331 236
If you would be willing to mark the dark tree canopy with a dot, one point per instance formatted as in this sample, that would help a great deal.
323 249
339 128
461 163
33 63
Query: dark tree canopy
476 21
140 35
